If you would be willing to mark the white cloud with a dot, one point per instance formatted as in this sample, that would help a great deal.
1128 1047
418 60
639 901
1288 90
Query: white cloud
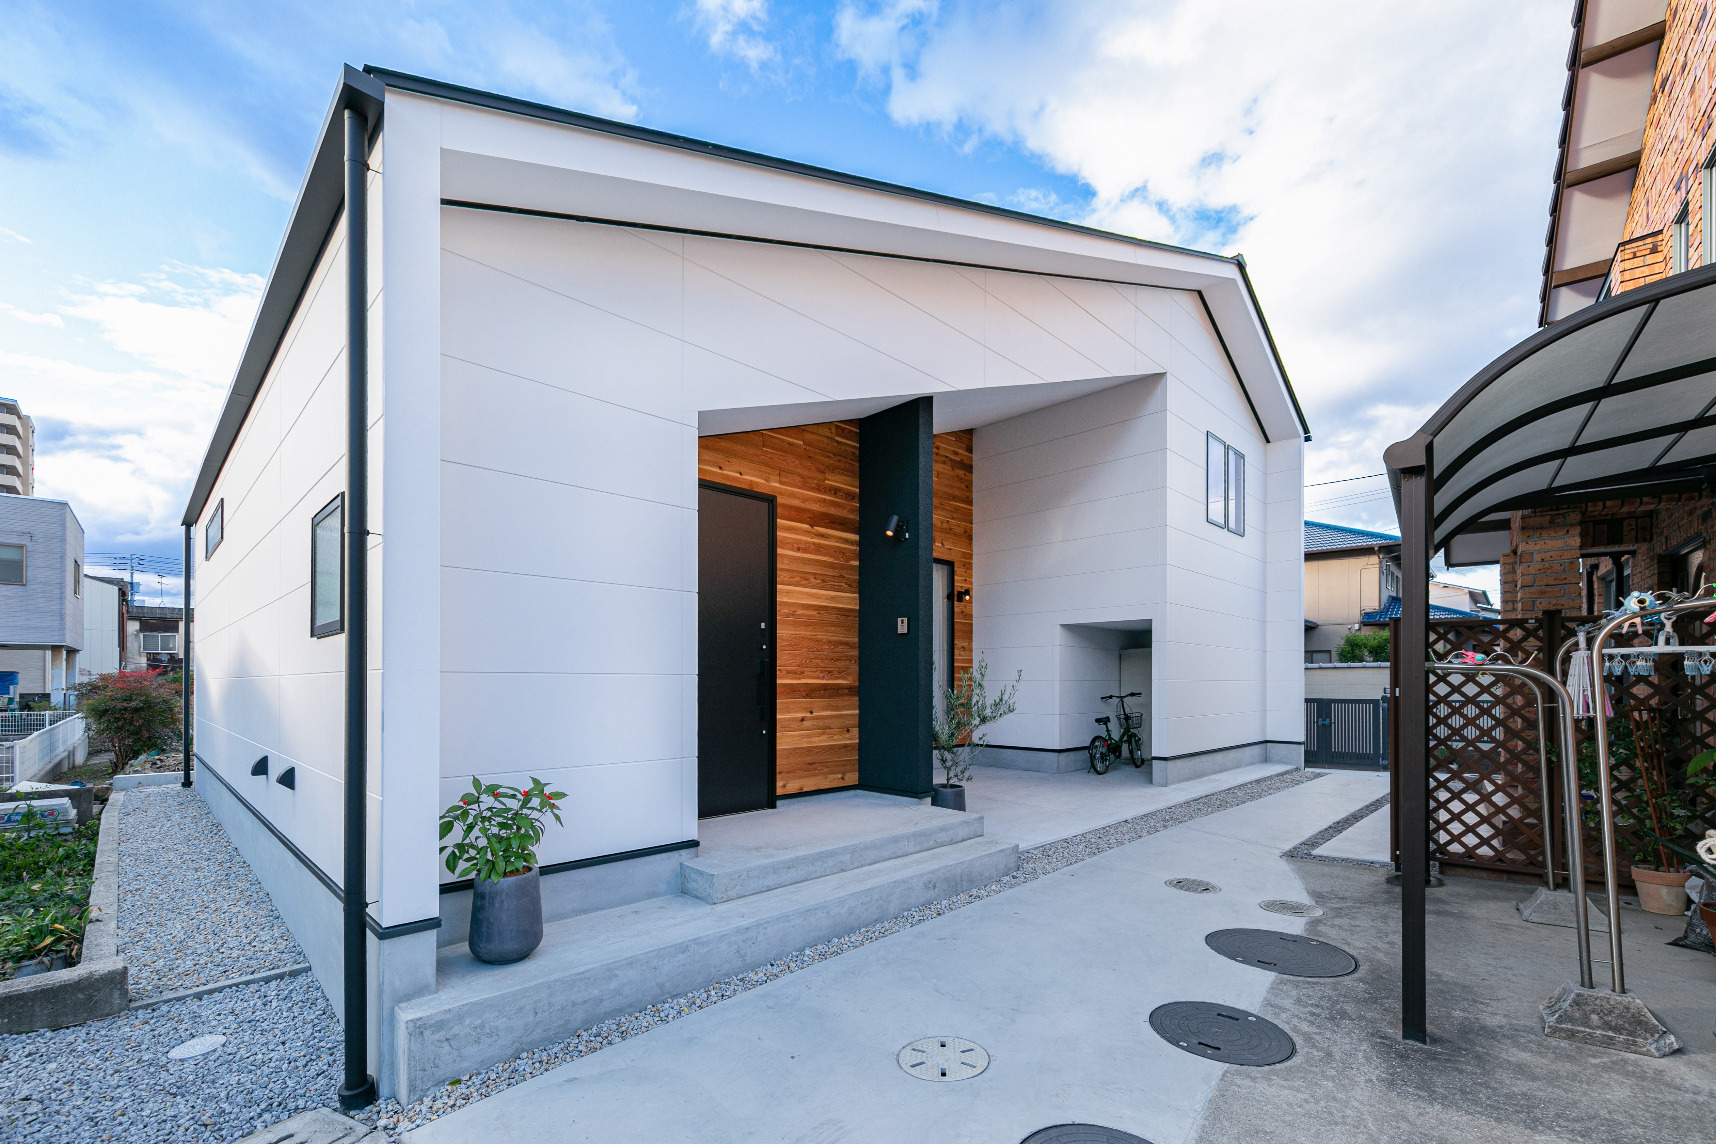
735 28
122 441
1383 167
12 236
33 318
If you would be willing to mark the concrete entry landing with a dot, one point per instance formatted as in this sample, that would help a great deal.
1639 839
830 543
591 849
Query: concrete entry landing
804 838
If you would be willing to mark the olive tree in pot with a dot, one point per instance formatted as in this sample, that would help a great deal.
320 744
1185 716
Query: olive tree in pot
957 733
499 827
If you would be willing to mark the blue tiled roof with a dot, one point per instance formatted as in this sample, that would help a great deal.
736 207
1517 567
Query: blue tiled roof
1390 610
1320 537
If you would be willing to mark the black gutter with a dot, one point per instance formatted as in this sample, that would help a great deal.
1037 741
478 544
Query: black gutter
184 671
358 1091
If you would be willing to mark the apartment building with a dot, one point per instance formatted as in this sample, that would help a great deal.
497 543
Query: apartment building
1633 189
41 596
17 450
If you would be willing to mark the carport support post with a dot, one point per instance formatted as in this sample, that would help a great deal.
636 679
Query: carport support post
1411 460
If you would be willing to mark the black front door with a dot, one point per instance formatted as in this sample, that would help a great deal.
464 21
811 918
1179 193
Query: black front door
735 651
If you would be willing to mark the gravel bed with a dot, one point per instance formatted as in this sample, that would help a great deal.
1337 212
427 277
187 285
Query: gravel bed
1306 849
1035 863
111 1080
191 911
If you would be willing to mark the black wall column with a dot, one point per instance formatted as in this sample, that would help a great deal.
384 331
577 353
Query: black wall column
895 672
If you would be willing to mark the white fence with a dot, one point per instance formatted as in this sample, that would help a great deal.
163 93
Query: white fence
30 757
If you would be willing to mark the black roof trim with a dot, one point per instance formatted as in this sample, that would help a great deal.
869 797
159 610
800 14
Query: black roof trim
420 85
321 197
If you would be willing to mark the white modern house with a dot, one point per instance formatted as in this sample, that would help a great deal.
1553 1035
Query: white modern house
690 474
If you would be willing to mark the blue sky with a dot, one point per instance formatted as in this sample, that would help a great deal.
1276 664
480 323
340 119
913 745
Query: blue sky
1385 169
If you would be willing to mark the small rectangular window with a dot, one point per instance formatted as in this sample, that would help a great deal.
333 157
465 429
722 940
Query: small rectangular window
215 529
1707 203
1235 491
1680 236
11 563
1215 480
77 578
328 570
161 642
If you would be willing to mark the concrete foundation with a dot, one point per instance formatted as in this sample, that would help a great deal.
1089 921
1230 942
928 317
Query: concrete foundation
1556 909
1618 1021
583 890
1035 759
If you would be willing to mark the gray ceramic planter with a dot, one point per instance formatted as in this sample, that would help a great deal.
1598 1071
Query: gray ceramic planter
506 918
951 797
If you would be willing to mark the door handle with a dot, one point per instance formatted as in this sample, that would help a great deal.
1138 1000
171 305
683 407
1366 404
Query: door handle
761 702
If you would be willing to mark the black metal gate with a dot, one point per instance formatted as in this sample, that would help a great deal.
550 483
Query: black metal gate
1346 733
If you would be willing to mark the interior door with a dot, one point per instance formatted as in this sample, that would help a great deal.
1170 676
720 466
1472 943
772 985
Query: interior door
735 651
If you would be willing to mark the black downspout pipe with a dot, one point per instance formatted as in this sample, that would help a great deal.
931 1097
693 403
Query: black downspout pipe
358 1091
184 670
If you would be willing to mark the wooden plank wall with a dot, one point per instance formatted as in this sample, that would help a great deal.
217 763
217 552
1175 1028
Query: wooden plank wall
953 530
812 472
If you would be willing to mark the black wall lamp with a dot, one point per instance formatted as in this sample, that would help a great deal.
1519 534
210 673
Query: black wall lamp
896 529
962 596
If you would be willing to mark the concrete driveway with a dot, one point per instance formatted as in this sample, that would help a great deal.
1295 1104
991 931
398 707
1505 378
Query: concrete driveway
1055 979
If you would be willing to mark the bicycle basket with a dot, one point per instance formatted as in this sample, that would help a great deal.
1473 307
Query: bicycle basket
1134 720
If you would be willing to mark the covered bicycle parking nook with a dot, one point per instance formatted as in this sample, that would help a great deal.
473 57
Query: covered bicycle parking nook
1617 401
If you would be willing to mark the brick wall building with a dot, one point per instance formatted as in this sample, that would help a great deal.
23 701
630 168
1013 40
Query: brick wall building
1635 185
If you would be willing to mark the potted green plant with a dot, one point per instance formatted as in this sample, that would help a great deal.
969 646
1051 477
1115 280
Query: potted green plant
957 733
1663 811
498 829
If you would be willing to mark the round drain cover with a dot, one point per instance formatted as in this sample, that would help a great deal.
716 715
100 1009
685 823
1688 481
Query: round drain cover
197 1046
1082 1134
1292 909
1221 1033
1282 952
943 1058
1192 885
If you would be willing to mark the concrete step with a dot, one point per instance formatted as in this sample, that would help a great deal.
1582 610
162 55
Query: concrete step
601 965
747 854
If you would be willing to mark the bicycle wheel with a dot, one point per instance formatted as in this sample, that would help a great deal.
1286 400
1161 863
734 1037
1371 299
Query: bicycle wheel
1099 754
1135 748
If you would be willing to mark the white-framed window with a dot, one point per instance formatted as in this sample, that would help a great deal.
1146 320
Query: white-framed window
166 643
11 563
328 569
215 530
1680 240
1224 485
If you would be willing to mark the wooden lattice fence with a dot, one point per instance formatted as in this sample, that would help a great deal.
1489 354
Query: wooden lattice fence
1487 805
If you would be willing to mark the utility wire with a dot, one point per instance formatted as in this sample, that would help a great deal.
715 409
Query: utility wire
1343 480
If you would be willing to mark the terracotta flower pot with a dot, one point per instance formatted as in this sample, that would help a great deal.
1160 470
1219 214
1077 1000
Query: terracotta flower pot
1707 911
1661 892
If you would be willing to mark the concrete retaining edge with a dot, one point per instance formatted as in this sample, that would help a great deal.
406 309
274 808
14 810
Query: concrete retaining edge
98 986
165 778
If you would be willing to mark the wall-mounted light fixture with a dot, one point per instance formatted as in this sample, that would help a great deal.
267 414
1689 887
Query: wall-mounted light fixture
896 529
962 596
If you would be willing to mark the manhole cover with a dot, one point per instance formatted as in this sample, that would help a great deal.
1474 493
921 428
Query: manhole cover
1282 952
1221 1033
1082 1134
1292 909
943 1058
197 1046
1193 885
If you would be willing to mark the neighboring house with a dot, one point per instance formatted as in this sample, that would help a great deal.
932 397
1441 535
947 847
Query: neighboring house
41 596
692 474
1634 190
155 637
1348 571
17 450
104 627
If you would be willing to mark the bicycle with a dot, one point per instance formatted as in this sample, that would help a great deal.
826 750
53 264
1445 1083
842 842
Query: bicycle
1105 747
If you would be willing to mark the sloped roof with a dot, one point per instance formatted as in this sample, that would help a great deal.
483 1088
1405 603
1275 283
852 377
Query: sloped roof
1320 537
1390 610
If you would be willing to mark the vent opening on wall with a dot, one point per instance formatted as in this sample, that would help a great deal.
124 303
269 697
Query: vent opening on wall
260 766
288 778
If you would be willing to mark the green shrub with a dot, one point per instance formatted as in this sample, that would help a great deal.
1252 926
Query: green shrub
1363 647
44 892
